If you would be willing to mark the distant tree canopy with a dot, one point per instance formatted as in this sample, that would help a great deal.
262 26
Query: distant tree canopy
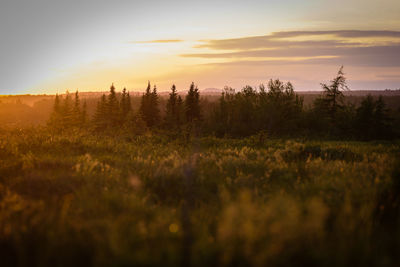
271 110
372 119
68 113
249 111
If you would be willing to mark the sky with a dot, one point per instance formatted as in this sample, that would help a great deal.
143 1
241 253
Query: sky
50 46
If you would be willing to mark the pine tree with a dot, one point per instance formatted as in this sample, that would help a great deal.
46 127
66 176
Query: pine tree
57 104
76 111
113 117
84 113
192 104
180 111
381 119
171 113
125 105
149 107
333 93
155 111
67 111
55 120
144 105
128 104
100 117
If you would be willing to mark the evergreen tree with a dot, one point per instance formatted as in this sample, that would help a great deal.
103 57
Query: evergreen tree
125 104
222 116
84 113
76 111
180 111
172 111
192 104
155 111
149 111
283 107
57 104
113 118
333 93
145 104
67 112
55 120
100 117
381 118
128 105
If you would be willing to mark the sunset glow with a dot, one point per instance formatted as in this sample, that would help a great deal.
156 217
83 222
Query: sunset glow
53 47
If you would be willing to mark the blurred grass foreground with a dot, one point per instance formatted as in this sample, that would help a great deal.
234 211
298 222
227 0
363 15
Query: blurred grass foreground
87 200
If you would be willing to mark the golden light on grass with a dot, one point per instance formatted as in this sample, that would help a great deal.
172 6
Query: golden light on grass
173 228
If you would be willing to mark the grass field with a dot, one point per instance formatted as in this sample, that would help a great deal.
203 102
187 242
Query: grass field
81 199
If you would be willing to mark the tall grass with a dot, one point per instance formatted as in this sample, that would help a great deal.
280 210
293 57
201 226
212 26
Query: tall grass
81 199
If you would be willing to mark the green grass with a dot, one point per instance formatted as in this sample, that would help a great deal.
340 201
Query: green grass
82 199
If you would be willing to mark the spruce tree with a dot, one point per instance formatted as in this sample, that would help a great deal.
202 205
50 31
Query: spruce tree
171 113
100 117
76 111
333 93
149 107
155 111
112 108
83 113
381 119
125 105
180 111
56 116
192 104
144 105
67 111
128 104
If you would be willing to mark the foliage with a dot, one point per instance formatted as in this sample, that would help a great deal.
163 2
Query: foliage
274 110
249 111
77 198
192 104
174 110
149 107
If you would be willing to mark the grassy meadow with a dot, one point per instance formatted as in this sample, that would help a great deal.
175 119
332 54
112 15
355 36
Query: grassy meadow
81 199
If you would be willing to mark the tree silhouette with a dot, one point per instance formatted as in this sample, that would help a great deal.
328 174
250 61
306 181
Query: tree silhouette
56 117
173 109
192 104
100 117
84 113
76 111
179 111
113 113
333 93
372 119
155 111
67 111
125 105
149 110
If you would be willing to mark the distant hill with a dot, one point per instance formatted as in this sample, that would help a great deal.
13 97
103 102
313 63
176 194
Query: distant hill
387 92
211 91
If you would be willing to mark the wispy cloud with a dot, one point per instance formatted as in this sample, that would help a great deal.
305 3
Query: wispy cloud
356 48
288 38
157 41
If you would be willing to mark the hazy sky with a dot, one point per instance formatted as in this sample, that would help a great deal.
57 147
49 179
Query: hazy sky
50 46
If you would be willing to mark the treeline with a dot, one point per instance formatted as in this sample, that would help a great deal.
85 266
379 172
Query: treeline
68 112
272 110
